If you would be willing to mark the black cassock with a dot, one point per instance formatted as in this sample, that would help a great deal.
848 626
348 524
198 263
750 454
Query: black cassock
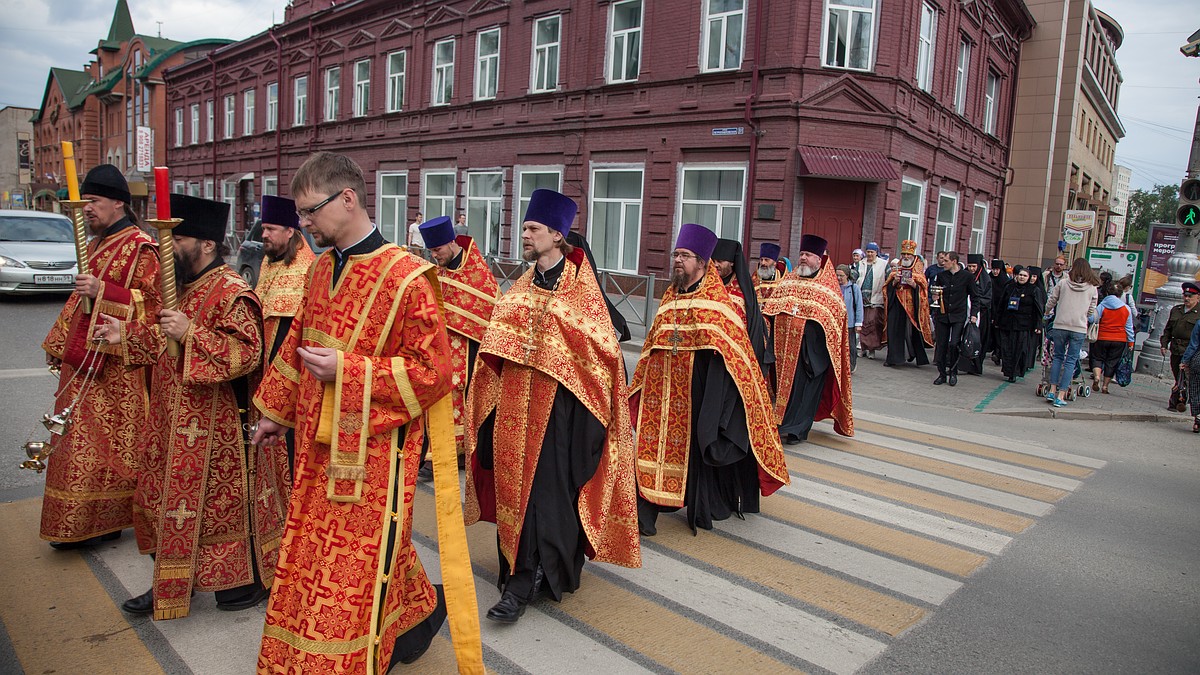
722 475
809 382
975 366
905 340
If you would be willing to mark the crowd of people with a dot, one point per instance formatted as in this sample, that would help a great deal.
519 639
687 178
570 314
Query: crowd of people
267 443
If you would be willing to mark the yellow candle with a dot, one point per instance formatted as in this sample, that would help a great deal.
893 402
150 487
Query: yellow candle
68 151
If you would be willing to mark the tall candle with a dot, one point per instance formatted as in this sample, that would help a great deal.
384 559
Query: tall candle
162 193
68 151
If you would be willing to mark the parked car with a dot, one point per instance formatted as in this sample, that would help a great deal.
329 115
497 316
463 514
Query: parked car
250 253
37 252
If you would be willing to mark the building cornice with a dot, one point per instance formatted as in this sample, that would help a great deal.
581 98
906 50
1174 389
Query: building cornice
1095 94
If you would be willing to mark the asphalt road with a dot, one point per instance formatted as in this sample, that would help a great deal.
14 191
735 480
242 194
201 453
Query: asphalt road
1106 580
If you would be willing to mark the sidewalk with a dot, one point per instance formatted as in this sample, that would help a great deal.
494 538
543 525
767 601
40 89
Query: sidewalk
1144 400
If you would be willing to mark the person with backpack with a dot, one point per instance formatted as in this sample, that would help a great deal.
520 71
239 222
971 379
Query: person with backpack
1072 305
1114 337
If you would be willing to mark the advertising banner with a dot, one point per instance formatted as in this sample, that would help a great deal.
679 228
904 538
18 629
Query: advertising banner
145 149
1118 263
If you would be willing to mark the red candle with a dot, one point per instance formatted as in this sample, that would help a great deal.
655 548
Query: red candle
162 193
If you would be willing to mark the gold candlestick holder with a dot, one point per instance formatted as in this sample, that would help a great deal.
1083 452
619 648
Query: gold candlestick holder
166 269
81 250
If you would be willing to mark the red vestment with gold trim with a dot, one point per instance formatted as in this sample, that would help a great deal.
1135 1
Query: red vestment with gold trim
92 473
468 292
661 391
335 606
904 295
797 300
204 497
280 288
539 340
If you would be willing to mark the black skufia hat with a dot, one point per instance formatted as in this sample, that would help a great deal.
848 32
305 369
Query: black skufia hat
202 218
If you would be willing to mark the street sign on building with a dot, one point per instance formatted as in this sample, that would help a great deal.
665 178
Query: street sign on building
145 149
1079 220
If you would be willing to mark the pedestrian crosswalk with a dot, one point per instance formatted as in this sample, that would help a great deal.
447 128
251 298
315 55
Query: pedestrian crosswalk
874 534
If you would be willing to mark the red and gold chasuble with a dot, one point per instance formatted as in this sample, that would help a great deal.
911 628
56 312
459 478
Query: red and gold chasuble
661 391
202 494
540 339
281 289
737 297
335 607
795 301
468 294
904 296
92 474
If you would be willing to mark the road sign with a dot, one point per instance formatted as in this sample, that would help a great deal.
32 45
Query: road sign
728 131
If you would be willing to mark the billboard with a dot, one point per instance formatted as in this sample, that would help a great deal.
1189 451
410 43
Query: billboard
1117 262
1160 246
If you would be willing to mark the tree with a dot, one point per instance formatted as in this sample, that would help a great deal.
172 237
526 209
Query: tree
1155 206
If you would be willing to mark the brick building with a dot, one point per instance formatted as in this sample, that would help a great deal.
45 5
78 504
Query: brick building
858 119
100 108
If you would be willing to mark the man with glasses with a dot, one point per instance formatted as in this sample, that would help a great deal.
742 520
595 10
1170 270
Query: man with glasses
363 376
707 437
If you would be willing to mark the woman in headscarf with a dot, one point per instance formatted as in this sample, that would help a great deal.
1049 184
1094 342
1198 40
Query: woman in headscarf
1038 278
1000 281
1019 321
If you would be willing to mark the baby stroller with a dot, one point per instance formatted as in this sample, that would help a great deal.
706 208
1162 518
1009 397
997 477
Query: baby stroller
1078 386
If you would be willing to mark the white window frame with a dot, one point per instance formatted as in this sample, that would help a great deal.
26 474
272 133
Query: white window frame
398 201
333 93
248 112
962 76
991 100
597 250
179 127
395 80
230 115
942 242
722 228
299 101
706 47
978 229
520 204
926 46
272 106
443 75
545 56
208 189
210 132
195 110
177 187
193 189
448 202
270 185
229 196
617 57
489 244
487 67
917 218
848 13
362 88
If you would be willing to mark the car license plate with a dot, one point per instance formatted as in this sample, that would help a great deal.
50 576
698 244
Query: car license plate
53 279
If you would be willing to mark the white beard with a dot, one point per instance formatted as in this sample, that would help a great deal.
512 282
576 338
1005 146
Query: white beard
806 271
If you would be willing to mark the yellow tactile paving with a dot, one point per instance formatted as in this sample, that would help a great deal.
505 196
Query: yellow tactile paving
1031 461
950 506
58 616
915 548
861 605
939 467
644 626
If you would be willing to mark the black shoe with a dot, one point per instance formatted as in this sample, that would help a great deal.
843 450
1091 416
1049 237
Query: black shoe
1011 378
647 529
142 604
953 379
539 575
86 543
425 473
941 379
508 610
792 439
245 602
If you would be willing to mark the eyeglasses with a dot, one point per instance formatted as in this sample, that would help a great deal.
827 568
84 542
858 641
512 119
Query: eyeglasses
305 214
682 255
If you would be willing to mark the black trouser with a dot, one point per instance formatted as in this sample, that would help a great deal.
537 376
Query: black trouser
946 337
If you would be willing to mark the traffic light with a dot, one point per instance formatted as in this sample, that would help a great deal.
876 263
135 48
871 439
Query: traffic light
1188 214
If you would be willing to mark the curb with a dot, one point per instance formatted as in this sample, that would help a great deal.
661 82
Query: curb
1053 413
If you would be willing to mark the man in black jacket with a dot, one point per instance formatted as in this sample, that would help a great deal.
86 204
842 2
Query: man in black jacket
955 285
983 284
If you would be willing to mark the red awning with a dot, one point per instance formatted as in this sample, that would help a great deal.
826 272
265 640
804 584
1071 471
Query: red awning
865 165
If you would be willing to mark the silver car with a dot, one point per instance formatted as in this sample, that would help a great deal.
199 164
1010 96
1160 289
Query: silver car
37 252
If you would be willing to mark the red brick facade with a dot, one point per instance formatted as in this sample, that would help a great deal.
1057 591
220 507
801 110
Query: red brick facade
682 141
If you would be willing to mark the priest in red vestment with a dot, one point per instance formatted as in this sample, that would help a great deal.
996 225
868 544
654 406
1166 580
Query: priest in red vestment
207 507
812 351
92 472
469 291
548 434
735 274
363 376
706 434
906 307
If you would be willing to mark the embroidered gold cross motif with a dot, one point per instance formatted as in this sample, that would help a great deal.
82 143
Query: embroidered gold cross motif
192 432
180 514
676 339
266 495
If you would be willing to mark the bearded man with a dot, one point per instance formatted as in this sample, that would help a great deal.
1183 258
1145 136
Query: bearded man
872 271
770 270
735 274
909 329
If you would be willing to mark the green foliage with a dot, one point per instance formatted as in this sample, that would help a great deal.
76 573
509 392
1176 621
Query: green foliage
1154 206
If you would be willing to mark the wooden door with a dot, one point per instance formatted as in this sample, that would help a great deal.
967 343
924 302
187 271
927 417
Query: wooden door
833 209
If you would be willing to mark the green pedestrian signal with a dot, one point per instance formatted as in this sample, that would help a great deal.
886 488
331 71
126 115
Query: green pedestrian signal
1188 216
1188 213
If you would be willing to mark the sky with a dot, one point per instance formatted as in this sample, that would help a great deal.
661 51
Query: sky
1158 100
